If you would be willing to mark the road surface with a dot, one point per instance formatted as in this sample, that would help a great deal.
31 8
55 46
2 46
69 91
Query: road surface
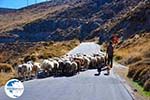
88 48
83 86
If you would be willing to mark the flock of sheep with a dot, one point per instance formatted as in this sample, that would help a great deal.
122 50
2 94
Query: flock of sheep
65 65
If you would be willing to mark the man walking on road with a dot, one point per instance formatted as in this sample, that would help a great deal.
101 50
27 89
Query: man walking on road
109 54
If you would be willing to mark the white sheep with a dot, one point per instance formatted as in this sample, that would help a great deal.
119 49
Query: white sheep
25 70
48 66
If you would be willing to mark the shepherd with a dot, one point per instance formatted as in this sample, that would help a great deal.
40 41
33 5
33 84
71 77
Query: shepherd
109 54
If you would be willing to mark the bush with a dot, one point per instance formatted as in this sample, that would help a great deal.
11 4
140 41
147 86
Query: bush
117 58
140 72
137 73
147 85
133 59
5 67
131 71
146 54
143 76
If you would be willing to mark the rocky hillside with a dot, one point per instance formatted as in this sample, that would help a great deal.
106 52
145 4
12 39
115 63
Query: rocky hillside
134 20
67 19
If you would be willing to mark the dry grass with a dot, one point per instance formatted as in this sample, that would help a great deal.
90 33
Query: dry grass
6 73
10 53
48 50
134 50
6 68
4 77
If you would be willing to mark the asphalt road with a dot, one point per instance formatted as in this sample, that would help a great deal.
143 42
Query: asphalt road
88 48
83 86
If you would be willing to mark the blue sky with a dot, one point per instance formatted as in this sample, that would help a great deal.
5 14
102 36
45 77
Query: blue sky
16 3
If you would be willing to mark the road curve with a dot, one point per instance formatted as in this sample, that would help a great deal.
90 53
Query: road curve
83 86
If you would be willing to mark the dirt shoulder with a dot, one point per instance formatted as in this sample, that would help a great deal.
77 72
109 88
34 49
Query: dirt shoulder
122 71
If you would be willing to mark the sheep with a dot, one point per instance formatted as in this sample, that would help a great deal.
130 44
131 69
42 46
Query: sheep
86 62
20 71
67 68
101 64
79 62
93 62
83 61
36 68
65 65
47 66
24 70
98 60
56 67
61 66
70 67
74 67
28 68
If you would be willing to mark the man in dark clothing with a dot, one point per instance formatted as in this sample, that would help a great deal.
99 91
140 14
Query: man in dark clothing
110 51
109 55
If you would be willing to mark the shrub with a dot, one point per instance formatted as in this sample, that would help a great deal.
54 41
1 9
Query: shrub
147 85
147 54
117 58
140 72
136 74
5 67
131 71
133 59
143 76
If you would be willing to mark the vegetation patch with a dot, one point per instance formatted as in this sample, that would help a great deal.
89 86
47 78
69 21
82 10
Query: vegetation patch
4 77
140 89
117 58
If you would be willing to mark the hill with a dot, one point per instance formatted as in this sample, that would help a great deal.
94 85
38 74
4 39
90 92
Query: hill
63 20
131 21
